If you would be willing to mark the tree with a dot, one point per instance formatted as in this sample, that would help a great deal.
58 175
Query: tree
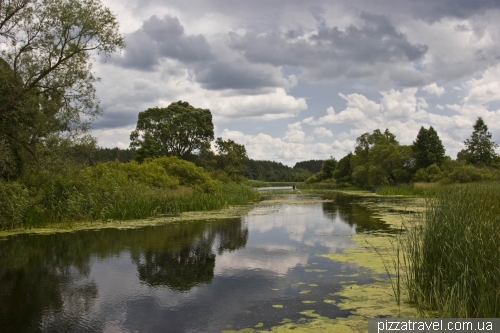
428 148
46 82
380 160
327 168
480 150
342 173
231 157
177 130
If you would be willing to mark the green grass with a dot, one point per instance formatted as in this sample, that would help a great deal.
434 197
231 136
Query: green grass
452 257
317 186
408 190
257 183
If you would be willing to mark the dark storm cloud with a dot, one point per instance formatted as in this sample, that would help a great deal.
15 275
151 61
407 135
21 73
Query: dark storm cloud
377 41
119 118
159 38
220 75
165 38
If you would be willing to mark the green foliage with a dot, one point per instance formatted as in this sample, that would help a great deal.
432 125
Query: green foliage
313 179
111 154
327 169
257 183
16 202
380 160
430 174
187 173
480 150
343 170
452 258
177 130
274 172
46 82
470 173
313 166
408 190
114 190
231 157
428 148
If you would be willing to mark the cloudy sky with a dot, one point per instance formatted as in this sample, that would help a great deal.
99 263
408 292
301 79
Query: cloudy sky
296 80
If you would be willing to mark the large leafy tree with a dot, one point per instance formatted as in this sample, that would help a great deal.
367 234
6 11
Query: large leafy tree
231 157
177 130
380 160
428 148
46 79
480 149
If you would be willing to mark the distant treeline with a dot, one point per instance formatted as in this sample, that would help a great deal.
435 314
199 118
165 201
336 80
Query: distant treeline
258 170
379 160
271 171
313 166
112 154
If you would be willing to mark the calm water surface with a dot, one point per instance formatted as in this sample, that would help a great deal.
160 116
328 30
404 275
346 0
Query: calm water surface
200 276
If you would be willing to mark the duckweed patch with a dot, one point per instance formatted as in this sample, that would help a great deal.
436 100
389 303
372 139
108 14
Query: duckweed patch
309 270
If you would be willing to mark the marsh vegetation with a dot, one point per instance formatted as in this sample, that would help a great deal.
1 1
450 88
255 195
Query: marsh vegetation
453 254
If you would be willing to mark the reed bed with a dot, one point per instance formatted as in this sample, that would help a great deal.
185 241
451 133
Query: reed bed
132 202
452 258
408 190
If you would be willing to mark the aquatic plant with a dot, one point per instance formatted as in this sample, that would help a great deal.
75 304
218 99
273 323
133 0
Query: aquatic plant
453 255
408 190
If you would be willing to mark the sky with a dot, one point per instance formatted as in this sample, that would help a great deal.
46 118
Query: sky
295 80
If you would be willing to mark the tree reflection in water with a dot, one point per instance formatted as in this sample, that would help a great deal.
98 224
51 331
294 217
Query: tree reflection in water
189 260
44 279
348 209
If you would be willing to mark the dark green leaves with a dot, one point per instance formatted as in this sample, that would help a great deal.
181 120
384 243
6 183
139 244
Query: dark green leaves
480 149
428 148
178 130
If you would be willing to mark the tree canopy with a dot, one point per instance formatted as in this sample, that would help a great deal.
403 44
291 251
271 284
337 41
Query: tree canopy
177 130
380 160
231 157
46 79
428 148
480 149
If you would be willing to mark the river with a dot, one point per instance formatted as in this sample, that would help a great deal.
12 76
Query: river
260 270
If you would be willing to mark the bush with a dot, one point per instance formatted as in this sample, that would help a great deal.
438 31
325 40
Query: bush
430 174
187 173
469 173
311 180
16 202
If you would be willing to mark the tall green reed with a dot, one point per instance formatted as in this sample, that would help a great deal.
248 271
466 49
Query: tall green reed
452 257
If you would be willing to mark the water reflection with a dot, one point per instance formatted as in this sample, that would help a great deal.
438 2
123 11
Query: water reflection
350 210
44 279
201 276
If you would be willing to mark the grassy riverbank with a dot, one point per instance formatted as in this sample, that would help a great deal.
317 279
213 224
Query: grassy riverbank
115 191
453 256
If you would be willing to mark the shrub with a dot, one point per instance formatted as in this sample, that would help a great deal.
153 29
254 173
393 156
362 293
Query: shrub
16 202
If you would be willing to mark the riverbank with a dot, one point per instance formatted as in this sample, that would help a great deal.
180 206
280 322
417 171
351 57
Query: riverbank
114 191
